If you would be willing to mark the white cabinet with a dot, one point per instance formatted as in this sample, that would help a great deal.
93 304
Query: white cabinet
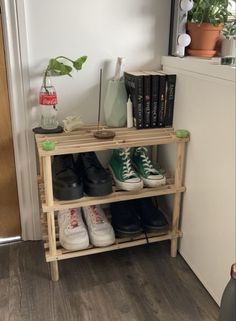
205 105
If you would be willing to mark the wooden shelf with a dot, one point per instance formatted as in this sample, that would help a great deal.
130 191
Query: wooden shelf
63 254
83 140
116 196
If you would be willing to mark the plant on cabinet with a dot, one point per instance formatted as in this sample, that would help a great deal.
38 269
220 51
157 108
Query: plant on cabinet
205 23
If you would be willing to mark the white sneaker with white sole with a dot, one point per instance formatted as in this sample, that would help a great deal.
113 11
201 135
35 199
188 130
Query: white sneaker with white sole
100 230
73 234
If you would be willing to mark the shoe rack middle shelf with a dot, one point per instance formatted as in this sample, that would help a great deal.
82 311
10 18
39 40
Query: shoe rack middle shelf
83 140
115 196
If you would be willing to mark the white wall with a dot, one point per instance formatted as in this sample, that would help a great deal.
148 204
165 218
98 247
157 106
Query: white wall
102 30
205 105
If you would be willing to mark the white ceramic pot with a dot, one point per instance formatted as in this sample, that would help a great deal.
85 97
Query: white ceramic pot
228 48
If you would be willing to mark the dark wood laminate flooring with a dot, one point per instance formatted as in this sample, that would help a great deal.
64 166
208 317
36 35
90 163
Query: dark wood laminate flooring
136 284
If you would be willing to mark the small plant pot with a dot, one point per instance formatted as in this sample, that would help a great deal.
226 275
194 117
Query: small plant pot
228 47
204 38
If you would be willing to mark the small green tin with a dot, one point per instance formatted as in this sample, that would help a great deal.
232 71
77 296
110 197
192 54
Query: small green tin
182 133
48 145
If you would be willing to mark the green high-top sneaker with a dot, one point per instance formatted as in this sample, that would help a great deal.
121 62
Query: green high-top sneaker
151 177
122 171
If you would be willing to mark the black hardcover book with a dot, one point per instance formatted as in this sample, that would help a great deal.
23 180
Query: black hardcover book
146 101
155 79
134 87
161 101
170 99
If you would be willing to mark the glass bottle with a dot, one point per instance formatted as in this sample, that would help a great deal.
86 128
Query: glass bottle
48 102
228 301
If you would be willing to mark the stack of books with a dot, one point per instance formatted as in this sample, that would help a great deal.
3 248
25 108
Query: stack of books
152 94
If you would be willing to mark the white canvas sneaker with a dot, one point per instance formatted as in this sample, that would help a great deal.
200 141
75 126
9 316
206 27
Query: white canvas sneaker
73 234
100 230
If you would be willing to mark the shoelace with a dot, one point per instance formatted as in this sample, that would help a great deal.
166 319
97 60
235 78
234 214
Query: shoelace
73 219
148 167
97 218
128 171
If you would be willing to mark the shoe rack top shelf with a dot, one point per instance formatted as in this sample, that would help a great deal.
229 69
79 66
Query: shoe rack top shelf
83 140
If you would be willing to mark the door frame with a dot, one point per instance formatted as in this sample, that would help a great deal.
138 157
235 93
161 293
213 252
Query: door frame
16 55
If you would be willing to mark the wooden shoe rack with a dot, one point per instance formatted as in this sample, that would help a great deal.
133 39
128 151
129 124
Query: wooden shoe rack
83 140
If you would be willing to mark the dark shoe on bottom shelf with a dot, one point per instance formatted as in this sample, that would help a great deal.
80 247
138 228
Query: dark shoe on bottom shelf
73 234
152 219
97 181
124 219
67 185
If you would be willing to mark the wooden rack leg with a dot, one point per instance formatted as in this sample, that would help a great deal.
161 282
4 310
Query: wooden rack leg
54 270
175 225
47 175
180 150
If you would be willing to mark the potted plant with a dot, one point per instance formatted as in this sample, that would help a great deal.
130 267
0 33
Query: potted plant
228 47
58 66
205 23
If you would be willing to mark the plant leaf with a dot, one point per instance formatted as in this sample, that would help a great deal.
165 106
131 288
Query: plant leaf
77 64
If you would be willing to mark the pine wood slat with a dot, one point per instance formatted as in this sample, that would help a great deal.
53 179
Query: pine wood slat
63 254
113 197
83 140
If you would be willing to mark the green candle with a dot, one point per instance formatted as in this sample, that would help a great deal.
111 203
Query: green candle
48 145
182 133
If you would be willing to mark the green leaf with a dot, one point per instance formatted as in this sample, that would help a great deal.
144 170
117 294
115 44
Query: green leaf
77 64
65 70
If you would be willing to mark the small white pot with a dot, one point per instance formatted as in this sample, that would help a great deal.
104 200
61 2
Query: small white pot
228 48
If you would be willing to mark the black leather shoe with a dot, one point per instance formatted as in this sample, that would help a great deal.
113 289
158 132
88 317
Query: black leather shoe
97 181
152 219
67 185
124 220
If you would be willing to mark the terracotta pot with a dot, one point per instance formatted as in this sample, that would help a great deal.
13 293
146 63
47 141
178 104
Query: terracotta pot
203 39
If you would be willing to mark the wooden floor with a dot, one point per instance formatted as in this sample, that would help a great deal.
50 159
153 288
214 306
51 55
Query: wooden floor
135 284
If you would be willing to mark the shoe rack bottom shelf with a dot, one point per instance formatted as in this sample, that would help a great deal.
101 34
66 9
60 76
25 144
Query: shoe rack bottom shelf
120 243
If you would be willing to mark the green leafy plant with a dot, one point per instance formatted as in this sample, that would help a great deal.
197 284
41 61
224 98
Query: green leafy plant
209 11
229 30
58 67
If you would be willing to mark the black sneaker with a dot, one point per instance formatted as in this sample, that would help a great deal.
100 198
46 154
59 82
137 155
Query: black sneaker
97 181
152 219
124 220
67 185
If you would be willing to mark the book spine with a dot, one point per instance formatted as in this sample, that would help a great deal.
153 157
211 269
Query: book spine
170 99
154 100
146 101
161 101
134 87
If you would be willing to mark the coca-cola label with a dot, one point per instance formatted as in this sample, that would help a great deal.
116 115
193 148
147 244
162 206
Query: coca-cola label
48 99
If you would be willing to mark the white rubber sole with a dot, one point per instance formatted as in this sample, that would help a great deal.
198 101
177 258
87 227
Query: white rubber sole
126 186
102 243
154 182
75 246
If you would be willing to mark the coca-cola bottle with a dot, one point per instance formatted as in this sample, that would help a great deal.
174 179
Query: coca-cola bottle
48 102
228 301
